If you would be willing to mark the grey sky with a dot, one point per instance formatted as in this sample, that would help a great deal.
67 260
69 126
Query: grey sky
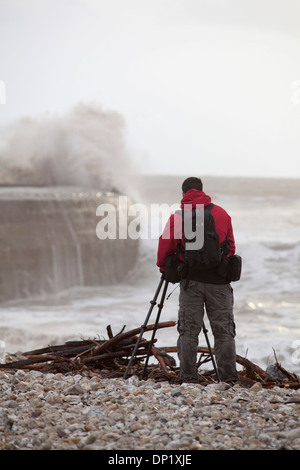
205 86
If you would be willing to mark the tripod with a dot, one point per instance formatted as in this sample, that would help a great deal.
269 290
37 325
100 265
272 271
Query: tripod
205 331
160 307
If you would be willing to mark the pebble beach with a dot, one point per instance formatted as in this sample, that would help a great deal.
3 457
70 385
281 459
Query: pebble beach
43 411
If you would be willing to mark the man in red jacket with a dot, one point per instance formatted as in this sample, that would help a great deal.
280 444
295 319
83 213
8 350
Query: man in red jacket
206 288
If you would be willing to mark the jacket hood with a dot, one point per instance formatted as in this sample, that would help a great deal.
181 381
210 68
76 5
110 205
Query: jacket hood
193 196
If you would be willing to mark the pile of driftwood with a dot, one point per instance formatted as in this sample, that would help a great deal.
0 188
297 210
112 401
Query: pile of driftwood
109 358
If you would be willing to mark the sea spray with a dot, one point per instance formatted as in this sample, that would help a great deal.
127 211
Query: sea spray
84 147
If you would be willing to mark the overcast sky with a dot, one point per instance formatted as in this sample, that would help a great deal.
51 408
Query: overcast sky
206 87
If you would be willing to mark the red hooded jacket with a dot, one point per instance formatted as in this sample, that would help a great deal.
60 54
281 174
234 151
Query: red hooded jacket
168 241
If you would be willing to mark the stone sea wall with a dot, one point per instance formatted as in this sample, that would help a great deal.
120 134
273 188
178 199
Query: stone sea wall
48 242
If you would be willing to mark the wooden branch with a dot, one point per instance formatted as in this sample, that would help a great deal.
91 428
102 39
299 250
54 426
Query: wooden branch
60 348
128 334
160 359
25 362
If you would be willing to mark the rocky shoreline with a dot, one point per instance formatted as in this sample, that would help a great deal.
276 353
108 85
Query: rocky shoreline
43 411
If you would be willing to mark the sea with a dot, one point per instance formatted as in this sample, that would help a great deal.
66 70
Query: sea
265 215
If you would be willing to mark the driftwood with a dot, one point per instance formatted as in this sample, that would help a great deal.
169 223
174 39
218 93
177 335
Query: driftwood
109 358
275 375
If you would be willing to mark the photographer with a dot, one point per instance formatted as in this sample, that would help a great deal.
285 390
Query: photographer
201 288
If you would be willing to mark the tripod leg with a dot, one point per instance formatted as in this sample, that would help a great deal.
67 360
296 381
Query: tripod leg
210 351
160 306
153 303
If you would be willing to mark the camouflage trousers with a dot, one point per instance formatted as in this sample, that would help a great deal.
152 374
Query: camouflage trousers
218 303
